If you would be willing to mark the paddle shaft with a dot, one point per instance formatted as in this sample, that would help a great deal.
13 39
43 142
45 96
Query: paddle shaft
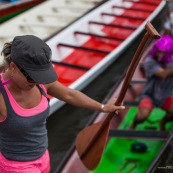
151 33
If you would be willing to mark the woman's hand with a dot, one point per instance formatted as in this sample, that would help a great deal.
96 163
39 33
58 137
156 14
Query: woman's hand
111 107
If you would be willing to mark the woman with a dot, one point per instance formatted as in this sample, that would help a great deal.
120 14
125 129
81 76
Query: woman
158 91
27 78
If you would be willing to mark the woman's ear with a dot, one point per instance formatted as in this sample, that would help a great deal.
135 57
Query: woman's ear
12 66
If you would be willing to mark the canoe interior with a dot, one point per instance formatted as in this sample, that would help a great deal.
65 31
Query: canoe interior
96 48
119 156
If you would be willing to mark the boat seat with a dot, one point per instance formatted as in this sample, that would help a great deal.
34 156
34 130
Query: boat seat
113 25
97 35
131 8
76 9
39 30
65 18
75 6
83 48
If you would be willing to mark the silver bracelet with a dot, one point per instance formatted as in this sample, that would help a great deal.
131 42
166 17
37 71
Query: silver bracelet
102 107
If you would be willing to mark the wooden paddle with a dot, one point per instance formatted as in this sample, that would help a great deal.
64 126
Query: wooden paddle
91 141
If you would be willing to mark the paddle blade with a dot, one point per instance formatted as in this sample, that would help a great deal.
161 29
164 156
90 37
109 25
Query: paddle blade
93 155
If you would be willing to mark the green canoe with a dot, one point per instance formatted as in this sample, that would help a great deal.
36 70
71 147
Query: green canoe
123 155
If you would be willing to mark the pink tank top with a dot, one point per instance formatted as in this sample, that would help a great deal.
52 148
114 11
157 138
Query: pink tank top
27 112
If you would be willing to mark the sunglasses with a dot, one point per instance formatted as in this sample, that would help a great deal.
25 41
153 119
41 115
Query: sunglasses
29 79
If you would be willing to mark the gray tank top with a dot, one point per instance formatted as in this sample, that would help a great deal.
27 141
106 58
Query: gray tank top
156 88
23 138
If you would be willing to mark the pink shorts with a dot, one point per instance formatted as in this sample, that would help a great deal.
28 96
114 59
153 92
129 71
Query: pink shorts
41 165
147 103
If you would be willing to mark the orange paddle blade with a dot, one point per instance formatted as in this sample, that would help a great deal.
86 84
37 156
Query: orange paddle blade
91 155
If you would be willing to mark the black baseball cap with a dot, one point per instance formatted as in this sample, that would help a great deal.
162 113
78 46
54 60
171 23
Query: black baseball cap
33 55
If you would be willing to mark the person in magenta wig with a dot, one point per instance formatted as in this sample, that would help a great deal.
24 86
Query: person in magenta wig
158 90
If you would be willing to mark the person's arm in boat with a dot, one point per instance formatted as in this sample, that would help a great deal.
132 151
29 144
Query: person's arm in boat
78 98
155 68
164 73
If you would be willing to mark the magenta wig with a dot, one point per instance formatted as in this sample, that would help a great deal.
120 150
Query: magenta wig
165 43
